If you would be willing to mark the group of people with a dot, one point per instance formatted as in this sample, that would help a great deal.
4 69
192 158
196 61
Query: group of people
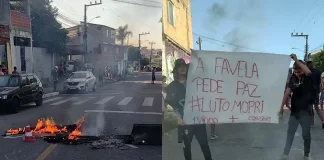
4 70
303 89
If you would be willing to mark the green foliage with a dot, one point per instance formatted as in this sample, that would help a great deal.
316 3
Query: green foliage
145 61
47 32
156 61
133 53
123 33
318 60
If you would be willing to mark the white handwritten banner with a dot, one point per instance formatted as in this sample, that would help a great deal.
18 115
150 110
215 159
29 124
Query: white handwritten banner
227 87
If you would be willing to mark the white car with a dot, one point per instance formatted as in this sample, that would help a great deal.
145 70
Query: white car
80 81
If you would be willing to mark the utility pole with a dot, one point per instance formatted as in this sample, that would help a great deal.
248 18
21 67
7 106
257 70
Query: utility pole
306 56
139 47
85 34
199 42
151 43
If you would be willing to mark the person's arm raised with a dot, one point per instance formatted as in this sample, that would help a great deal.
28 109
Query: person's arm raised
300 64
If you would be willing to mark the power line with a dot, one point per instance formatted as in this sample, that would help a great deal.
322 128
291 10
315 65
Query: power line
302 20
226 42
316 13
139 4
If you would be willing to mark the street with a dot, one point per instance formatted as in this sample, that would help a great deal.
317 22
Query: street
249 142
111 110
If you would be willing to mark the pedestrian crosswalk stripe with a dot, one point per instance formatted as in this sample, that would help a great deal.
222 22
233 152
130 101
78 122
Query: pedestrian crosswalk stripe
52 99
125 101
105 100
63 101
83 101
148 101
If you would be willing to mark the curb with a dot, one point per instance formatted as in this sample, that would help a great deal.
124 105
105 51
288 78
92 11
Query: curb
50 94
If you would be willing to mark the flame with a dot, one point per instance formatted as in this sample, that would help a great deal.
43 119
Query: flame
75 133
43 125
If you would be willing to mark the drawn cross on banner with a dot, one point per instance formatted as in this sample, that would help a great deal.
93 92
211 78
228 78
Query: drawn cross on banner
233 118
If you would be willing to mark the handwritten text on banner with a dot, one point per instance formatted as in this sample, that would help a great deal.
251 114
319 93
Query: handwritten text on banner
226 87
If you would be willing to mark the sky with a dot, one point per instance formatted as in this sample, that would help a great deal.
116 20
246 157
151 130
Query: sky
258 25
114 14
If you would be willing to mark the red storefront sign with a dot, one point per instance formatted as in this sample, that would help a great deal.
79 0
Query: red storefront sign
4 34
20 21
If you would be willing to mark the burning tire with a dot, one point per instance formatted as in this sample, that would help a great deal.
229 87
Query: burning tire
14 107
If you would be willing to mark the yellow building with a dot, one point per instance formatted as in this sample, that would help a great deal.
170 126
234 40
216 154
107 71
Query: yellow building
177 33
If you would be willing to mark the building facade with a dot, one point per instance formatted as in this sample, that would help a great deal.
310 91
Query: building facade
16 35
102 48
177 34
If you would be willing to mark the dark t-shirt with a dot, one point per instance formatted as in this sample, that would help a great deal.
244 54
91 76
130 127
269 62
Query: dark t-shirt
304 93
175 96
316 74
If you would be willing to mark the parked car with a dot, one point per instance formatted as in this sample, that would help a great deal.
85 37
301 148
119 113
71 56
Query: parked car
17 90
70 66
80 81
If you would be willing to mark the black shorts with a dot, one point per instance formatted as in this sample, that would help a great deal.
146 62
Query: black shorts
153 78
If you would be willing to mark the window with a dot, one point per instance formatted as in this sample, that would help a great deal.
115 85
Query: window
171 13
32 79
24 80
112 35
13 82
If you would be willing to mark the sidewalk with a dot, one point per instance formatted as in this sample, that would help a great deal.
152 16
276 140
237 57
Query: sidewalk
248 142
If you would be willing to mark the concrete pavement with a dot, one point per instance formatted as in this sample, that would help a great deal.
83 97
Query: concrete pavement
110 110
248 142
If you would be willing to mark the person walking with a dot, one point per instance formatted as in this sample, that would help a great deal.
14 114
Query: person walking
302 86
175 96
15 70
101 77
153 75
316 75
55 76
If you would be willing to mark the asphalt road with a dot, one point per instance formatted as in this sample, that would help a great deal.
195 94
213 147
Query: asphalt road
249 142
110 110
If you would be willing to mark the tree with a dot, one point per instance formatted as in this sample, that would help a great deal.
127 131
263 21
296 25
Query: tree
133 53
123 33
145 61
318 60
47 32
156 61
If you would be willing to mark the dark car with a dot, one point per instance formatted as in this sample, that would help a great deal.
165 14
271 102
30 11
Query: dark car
17 90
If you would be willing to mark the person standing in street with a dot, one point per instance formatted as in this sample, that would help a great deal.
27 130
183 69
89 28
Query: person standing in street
1 73
322 92
4 68
175 97
15 70
316 75
302 85
153 75
101 77
55 77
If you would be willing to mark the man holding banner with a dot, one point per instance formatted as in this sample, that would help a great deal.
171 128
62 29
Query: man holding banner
176 92
302 85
